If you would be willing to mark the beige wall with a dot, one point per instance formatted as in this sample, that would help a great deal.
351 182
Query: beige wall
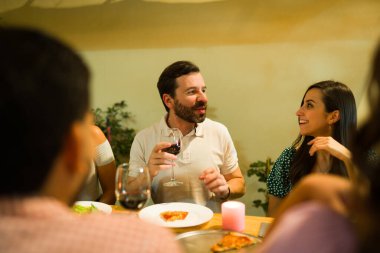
253 89
257 57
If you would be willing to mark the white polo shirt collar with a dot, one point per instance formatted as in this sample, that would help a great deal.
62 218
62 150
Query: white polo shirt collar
165 129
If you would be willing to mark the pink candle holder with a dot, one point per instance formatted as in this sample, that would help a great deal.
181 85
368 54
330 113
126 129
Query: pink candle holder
233 216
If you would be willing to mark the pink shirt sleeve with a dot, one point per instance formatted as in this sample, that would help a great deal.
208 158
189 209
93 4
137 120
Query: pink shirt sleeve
313 228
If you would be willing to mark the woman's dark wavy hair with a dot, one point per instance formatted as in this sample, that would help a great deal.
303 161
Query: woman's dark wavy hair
366 139
336 96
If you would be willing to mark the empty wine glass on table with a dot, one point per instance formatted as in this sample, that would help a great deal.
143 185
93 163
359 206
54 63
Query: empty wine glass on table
175 148
132 186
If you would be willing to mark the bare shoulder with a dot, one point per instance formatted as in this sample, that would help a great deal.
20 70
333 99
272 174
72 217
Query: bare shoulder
323 180
98 135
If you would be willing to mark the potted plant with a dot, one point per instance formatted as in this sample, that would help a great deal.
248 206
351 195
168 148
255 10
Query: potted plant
261 169
113 122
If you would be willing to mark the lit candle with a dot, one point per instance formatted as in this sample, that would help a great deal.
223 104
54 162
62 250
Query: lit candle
233 216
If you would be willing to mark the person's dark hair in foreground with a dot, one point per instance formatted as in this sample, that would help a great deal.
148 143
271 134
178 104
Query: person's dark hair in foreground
368 138
46 155
44 89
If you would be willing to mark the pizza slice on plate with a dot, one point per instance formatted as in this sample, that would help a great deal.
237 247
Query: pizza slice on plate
232 241
173 215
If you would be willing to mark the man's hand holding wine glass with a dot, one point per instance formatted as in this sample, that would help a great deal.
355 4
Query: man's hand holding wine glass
160 160
174 137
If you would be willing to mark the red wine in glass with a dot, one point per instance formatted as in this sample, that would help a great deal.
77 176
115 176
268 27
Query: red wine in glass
134 202
132 186
174 149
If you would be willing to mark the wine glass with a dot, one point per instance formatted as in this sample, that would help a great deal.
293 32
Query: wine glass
132 186
175 148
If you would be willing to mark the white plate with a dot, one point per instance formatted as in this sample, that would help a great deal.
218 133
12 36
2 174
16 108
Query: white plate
197 214
99 205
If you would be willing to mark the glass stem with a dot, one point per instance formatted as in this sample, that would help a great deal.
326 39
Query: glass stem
172 179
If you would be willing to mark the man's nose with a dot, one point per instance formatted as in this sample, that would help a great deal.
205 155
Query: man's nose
202 97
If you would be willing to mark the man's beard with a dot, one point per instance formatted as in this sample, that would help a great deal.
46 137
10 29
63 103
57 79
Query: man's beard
188 114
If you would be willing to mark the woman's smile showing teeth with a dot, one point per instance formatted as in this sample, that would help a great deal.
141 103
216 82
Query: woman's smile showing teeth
302 121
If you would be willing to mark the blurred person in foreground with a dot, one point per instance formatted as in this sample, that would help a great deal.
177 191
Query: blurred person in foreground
207 164
46 153
326 213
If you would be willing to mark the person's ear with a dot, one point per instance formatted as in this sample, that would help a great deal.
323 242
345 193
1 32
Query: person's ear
168 100
334 117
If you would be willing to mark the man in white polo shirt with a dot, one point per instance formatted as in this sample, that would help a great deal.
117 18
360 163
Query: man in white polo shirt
207 164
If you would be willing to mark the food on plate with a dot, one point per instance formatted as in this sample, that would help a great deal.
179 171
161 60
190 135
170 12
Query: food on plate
232 241
173 215
85 209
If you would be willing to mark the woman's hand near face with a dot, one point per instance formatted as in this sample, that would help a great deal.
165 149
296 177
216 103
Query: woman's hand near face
328 144
334 148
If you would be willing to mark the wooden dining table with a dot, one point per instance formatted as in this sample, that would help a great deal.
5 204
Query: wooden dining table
252 223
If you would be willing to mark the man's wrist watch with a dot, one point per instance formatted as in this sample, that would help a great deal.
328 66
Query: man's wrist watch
228 194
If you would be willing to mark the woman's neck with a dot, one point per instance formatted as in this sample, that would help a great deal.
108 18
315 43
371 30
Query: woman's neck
323 162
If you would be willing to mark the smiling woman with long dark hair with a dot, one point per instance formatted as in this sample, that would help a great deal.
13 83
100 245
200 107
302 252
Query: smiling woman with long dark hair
329 213
326 117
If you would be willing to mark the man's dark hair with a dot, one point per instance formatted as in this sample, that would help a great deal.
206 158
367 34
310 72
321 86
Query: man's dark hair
167 82
44 90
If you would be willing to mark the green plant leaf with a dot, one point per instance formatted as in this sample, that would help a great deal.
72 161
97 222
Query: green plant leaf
257 202
113 121
261 170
